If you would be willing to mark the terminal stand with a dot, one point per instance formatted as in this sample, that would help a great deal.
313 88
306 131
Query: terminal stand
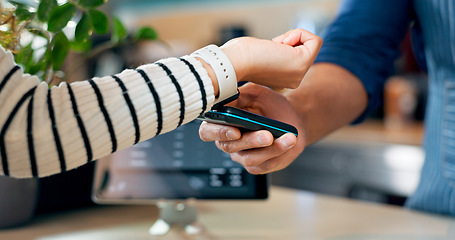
182 215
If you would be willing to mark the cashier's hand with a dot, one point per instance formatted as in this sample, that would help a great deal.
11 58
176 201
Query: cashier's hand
257 151
277 64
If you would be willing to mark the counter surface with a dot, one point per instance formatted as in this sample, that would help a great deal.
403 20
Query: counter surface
287 214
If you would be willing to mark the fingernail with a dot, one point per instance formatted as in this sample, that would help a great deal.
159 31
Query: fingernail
262 139
288 141
230 134
274 39
287 39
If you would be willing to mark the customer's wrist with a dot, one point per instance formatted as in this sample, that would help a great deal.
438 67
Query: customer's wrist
237 52
211 74
223 69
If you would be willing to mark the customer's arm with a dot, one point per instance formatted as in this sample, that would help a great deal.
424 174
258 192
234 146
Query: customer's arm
46 131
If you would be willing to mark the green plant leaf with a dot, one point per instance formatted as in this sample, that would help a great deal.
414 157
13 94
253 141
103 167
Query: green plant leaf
40 67
100 21
46 60
44 9
23 13
119 32
60 50
24 56
146 33
59 17
35 68
91 3
17 4
38 31
81 47
84 29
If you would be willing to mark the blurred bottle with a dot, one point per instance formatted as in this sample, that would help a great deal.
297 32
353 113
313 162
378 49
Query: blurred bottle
400 102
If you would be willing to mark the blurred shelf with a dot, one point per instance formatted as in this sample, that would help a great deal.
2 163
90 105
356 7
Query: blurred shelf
376 131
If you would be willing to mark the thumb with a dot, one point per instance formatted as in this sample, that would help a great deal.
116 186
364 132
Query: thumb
249 94
279 39
304 39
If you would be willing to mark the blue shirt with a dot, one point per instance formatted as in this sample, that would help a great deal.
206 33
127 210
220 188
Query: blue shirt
365 39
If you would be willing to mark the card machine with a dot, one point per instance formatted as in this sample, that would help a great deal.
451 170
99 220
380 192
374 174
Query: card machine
245 121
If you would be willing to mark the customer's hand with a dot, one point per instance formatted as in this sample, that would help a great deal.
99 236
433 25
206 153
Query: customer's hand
272 63
281 63
257 151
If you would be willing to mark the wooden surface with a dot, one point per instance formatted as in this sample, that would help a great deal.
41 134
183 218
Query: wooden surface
287 214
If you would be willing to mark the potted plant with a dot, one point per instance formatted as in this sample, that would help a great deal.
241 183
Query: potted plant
41 36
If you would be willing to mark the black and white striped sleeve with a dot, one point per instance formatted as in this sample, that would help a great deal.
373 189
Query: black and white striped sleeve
47 131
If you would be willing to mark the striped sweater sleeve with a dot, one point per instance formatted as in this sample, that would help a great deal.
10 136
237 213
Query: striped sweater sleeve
47 131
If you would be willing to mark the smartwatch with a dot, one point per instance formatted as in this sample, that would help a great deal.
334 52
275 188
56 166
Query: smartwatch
224 71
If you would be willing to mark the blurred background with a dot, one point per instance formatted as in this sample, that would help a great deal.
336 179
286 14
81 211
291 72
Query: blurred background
378 161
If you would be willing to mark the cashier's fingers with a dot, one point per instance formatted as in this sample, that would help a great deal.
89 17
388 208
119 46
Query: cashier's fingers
261 160
271 165
268 166
209 132
249 140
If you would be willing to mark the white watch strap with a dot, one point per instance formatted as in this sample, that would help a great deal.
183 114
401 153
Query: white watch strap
224 71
